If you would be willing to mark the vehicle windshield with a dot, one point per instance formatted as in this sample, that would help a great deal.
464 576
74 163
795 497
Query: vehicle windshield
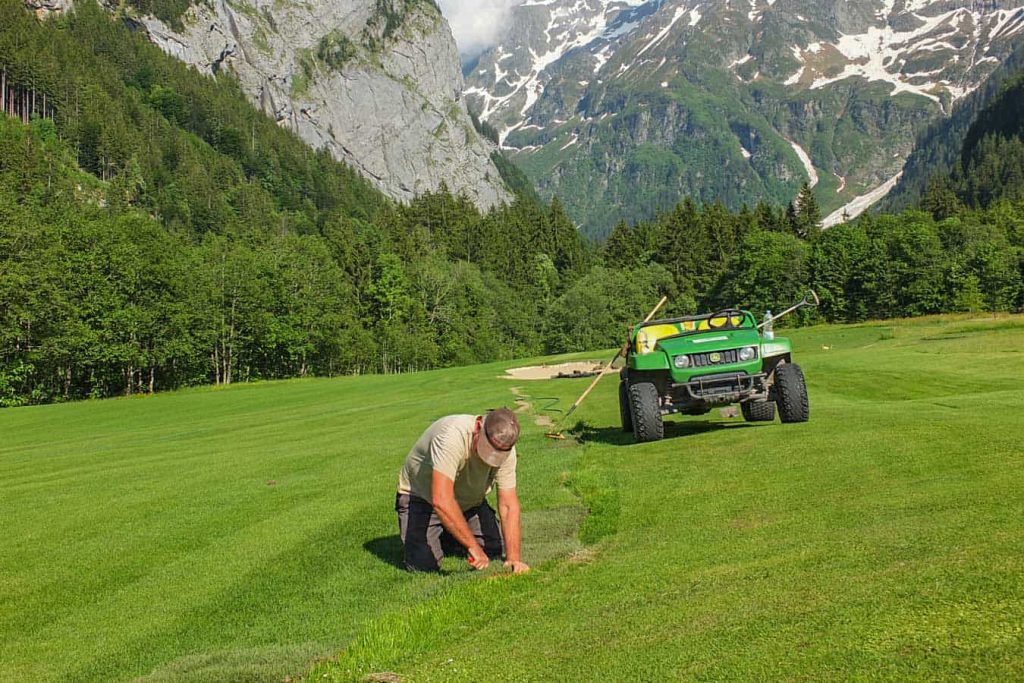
649 334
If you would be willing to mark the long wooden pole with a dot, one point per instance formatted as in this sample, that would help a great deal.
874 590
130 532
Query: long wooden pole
607 367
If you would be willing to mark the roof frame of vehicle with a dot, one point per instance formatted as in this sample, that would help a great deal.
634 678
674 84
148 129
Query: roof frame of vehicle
695 318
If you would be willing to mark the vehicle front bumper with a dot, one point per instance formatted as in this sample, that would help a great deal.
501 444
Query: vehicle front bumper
728 387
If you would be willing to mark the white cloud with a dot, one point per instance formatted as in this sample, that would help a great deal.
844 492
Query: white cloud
477 24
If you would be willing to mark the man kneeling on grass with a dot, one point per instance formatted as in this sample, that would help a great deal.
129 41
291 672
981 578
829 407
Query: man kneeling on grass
442 491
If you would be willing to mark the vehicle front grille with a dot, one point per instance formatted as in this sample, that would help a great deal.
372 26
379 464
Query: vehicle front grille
703 360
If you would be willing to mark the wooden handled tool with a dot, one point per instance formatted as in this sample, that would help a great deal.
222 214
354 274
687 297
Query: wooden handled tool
621 352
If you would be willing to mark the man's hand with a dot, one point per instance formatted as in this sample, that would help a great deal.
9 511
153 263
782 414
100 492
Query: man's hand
454 521
517 566
478 558
508 508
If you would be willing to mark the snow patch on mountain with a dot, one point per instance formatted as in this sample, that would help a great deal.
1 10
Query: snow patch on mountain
1007 22
680 11
861 204
757 9
870 54
572 141
882 52
569 26
805 159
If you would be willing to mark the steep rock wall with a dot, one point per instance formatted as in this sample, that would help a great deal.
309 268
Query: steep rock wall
376 82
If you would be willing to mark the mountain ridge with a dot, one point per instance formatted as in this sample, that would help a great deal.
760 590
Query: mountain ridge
744 100
938 150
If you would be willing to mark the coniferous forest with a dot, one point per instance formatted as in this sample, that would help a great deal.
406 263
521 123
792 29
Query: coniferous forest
156 231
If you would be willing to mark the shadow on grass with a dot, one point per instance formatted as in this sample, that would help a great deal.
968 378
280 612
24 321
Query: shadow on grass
548 533
387 549
616 437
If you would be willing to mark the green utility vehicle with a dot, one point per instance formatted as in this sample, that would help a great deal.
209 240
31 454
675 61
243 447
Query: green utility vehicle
692 364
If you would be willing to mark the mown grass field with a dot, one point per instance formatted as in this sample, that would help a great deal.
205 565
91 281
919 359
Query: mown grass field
244 534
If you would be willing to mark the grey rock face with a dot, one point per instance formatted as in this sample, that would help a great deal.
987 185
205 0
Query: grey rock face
377 83
44 8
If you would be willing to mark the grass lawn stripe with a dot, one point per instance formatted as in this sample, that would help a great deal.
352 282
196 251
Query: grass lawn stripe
880 540
237 534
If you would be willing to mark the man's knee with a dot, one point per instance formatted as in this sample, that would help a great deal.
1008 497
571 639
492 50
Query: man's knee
420 531
420 558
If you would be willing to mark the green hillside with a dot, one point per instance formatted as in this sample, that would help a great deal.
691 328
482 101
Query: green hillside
157 231
992 159
938 149
239 534
988 168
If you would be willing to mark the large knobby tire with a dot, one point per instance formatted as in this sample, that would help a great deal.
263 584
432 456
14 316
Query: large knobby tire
624 413
791 393
760 410
645 412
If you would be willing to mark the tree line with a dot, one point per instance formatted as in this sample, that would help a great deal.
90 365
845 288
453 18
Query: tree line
880 266
100 298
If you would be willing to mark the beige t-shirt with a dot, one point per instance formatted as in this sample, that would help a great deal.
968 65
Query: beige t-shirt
447 446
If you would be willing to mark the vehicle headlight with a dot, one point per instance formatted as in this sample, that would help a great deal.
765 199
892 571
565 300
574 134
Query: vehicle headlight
748 353
682 361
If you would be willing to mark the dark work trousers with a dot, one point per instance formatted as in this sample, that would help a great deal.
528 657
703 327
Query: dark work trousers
424 538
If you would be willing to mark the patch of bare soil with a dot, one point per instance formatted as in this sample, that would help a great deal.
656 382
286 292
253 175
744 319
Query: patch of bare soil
384 677
587 368
521 405
752 521
583 556
524 406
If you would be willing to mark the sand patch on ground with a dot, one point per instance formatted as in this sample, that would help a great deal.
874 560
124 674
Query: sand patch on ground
567 370
544 421
524 406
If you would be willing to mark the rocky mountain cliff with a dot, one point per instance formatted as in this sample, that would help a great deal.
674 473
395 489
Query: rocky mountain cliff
940 147
44 8
625 106
377 82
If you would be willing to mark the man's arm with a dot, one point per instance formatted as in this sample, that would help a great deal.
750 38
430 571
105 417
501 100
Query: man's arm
442 490
508 508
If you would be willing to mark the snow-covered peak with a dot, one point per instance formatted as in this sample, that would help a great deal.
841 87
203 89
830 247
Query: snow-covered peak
507 82
928 48
939 50
737 100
